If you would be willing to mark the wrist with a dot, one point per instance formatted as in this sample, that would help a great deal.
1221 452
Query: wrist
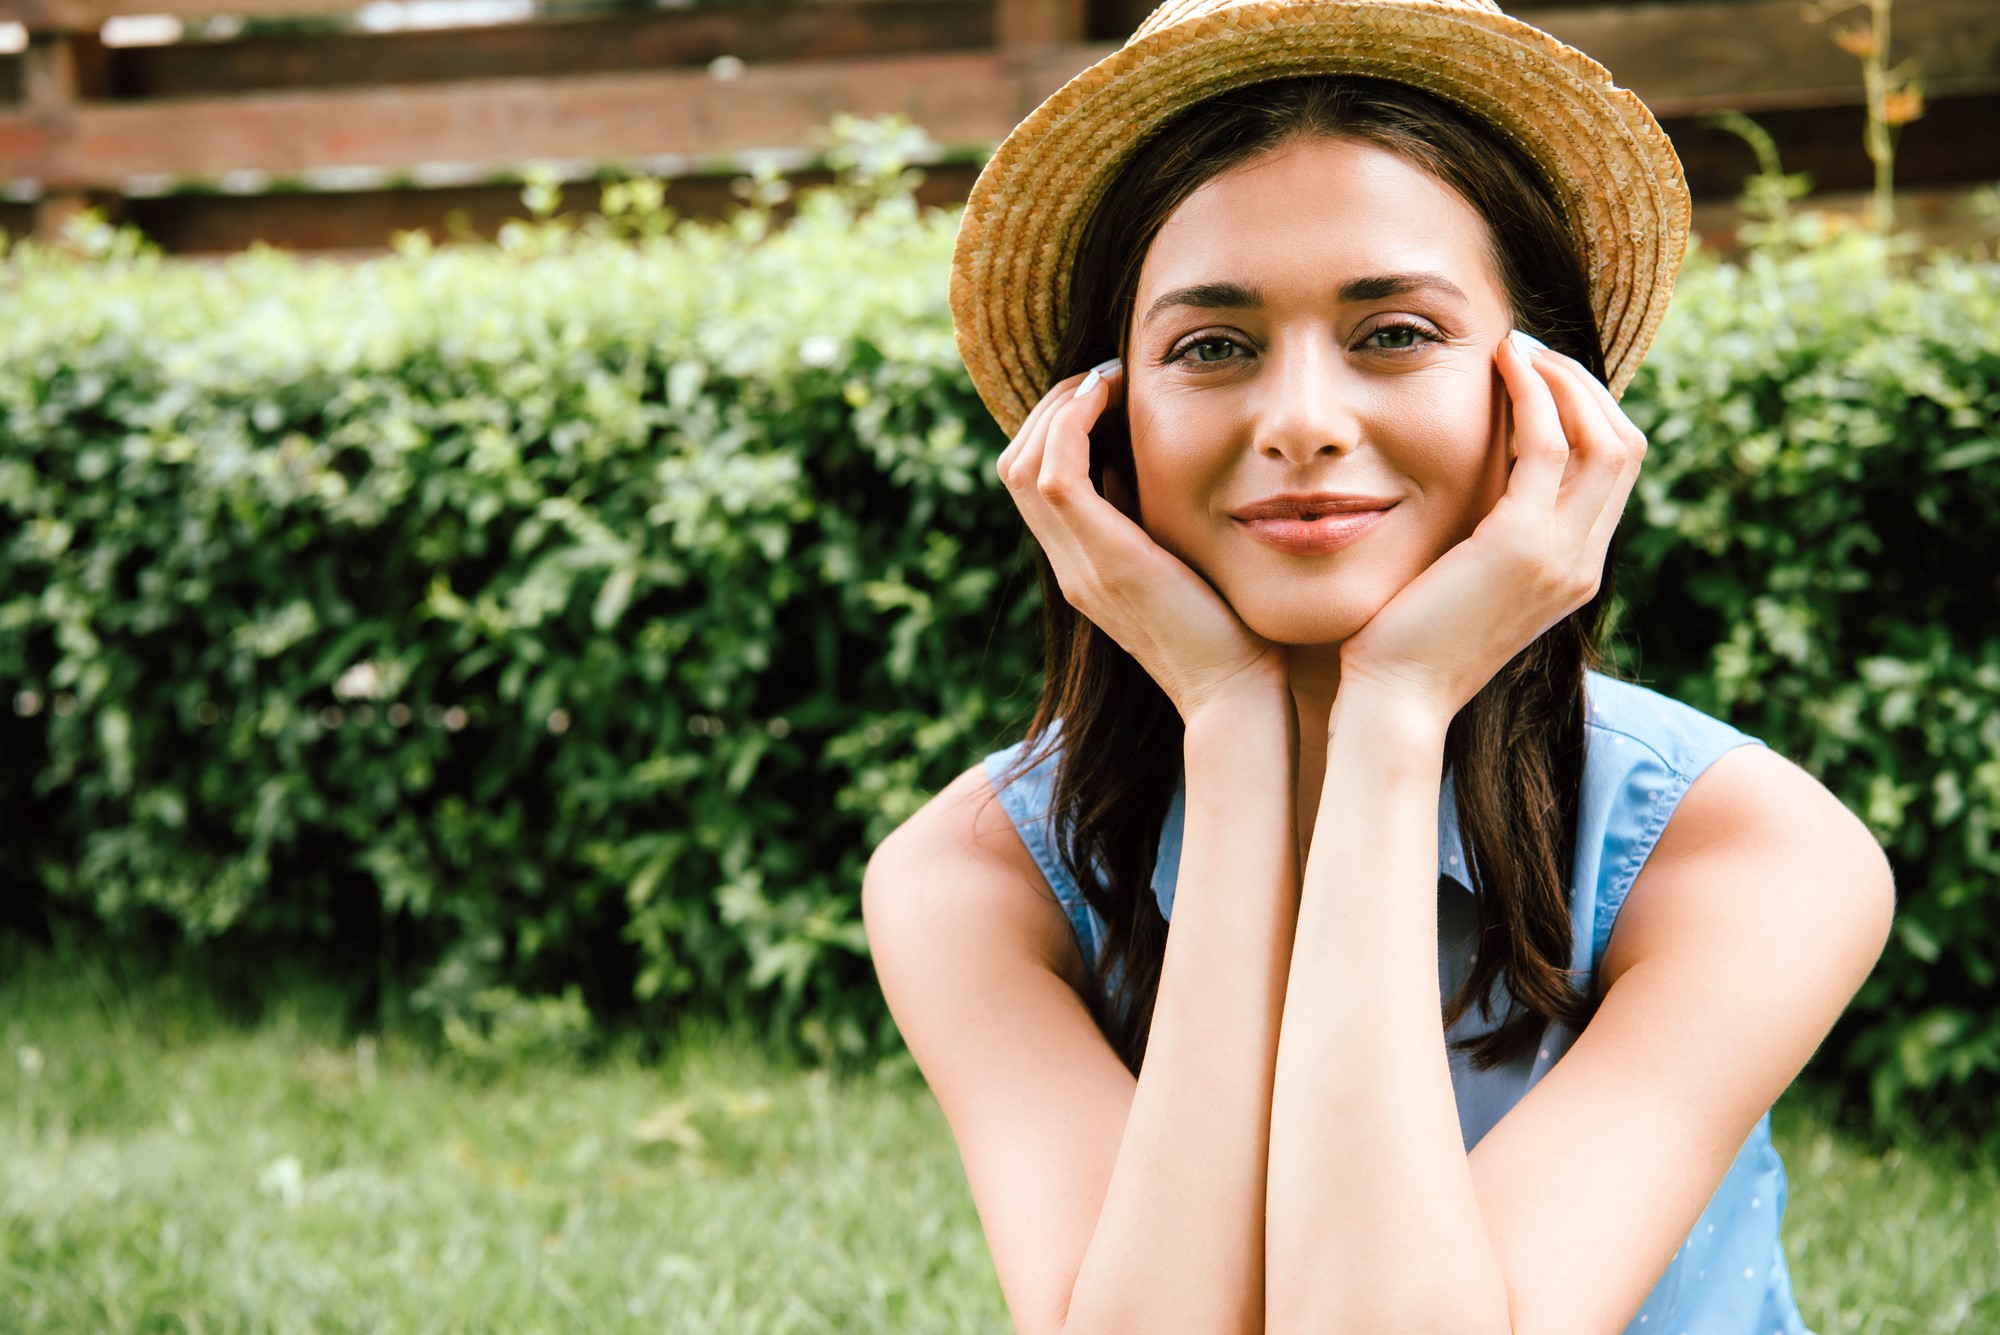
1404 719
1252 695
1224 722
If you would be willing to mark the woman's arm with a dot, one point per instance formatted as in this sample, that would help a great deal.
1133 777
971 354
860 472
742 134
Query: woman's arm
1373 1222
1175 1222
1180 1242
1754 921
985 979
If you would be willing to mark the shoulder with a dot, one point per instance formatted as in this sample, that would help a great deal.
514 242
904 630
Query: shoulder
1679 737
1642 751
983 980
956 880
1757 859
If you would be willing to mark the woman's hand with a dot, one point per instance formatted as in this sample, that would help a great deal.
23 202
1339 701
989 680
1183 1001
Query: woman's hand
1158 610
1535 558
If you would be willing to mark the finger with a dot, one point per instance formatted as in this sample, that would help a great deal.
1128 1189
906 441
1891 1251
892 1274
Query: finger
1036 416
1599 459
1607 466
1059 393
1047 494
1633 439
1541 450
1622 424
1036 420
1034 431
1067 435
1065 477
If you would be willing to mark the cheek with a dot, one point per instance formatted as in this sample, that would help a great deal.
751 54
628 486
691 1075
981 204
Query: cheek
1180 454
1451 439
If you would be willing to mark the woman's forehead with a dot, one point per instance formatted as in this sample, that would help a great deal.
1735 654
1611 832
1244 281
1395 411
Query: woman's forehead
1319 214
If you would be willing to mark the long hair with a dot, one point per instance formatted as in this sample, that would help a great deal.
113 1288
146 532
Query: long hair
1515 752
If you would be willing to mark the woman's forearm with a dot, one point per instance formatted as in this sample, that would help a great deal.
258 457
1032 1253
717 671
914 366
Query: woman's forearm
1373 1223
1179 1244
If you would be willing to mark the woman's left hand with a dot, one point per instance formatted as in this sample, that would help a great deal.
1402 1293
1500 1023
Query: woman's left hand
1536 557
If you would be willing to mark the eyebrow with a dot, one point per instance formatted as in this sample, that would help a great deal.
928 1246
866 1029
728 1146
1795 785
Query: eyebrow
1207 297
1235 296
1397 284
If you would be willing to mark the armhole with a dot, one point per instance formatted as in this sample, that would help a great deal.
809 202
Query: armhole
1026 801
1637 772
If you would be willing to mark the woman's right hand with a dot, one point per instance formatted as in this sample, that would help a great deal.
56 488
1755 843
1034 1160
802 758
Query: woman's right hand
1109 568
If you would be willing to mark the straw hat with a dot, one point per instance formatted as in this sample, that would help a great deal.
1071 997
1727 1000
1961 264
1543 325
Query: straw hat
1614 175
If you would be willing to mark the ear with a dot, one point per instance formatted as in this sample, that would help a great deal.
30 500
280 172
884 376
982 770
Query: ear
1120 493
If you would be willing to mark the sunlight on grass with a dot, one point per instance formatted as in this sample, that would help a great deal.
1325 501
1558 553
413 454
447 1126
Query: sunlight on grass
171 1170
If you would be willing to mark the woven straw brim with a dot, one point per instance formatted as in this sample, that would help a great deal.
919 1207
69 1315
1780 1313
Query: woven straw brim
1613 172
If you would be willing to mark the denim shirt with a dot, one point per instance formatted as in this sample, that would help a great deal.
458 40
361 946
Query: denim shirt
1641 752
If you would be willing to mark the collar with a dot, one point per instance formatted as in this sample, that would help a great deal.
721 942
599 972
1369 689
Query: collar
1451 849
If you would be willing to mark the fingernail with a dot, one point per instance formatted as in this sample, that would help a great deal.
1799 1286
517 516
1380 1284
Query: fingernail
1109 365
1090 382
1527 342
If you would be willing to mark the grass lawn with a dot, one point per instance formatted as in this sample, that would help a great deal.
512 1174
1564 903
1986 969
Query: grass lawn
168 1170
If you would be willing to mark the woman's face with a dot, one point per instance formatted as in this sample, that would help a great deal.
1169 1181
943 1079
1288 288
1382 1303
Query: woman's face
1322 318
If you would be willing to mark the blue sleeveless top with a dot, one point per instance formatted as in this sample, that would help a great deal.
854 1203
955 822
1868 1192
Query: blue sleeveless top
1642 750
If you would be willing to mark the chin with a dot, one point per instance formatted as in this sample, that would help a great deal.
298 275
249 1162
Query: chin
1303 620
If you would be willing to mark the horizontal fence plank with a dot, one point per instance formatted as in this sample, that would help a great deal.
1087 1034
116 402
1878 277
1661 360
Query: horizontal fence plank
86 15
599 44
1683 58
1692 57
958 98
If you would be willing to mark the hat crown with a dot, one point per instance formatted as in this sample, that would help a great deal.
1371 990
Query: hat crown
1175 12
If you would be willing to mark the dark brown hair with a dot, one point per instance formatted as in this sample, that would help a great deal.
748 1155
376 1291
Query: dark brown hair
1515 752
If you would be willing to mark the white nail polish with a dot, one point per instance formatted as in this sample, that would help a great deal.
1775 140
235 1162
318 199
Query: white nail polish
1090 382
1109 364
1527 342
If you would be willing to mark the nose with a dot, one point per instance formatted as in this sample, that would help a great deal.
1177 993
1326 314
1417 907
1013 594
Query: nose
1302 408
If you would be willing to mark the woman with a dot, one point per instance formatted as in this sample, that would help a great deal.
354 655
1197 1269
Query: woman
1485 969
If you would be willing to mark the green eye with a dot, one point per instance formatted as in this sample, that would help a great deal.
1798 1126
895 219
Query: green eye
1223 345
1397 336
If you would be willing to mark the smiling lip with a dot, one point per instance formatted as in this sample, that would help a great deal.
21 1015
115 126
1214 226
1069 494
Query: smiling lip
1312 523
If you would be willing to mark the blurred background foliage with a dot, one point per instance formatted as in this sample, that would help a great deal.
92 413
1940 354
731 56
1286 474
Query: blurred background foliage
548 630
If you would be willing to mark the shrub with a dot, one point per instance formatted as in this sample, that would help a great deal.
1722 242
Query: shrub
605 599
582 610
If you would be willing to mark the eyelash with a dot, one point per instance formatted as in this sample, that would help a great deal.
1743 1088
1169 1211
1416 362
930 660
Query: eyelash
1179 352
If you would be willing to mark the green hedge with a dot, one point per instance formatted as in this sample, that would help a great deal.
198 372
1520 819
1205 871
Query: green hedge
581 610
593 604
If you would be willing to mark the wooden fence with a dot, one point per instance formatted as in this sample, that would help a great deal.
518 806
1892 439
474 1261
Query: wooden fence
321 136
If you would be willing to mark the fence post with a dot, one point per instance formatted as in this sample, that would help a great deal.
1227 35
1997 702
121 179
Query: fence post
1041 22
59 68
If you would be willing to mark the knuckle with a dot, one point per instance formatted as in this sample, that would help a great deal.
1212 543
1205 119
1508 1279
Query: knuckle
1077 590
1057 491
1553 579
